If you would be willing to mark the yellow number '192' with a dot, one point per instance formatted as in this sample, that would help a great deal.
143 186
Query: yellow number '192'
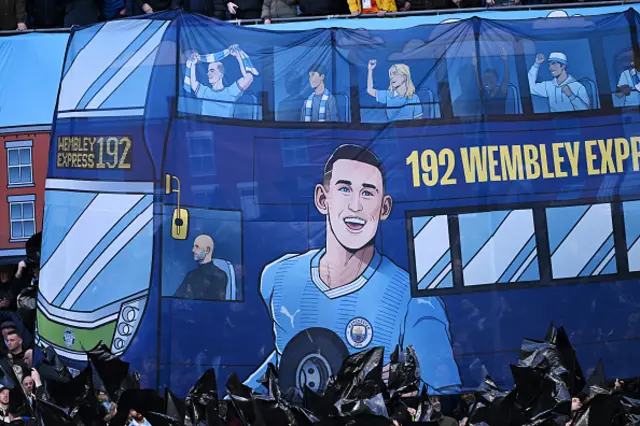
425 167
115 158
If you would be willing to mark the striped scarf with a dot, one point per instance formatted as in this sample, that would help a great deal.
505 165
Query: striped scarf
322 112
217 57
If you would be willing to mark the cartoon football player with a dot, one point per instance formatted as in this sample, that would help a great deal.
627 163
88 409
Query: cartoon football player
347 297
401 98
629 83
564 92
218 99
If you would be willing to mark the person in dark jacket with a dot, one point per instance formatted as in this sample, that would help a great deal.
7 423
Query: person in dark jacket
245 9
12 15
324 7
207 281
212 8
278 9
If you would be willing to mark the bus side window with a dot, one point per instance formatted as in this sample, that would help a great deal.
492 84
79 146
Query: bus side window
632 230
498 247
432 252
581 240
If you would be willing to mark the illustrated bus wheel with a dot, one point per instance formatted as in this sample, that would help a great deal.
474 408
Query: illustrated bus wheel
311 358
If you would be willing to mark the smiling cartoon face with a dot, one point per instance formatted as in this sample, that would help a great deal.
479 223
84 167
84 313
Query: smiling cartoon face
556 68
354 202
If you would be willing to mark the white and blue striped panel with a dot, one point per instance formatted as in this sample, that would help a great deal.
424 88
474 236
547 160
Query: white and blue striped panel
81 247
632 230
432 252
498 247
117 52
581 241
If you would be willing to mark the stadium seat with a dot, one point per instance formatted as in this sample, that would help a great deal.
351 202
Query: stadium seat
228 269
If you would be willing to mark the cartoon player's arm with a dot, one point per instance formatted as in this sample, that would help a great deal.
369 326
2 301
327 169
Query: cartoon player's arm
537 89
504 87
194 79
580 100
267 284
624 85
426 327
247 78
370 89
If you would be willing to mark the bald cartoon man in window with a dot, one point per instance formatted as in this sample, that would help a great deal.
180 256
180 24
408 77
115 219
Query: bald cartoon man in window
207 281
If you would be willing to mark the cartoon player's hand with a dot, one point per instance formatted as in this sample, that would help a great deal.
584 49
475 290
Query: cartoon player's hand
624 89
195 57
372 64
232 7
539 58
503 53
233 50
567 91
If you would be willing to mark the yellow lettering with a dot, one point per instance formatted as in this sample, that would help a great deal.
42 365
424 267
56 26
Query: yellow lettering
635 151
90 158
588 146
545 163
511 160
532 168
558 159
622 153
606 166
493 163
474 164
573 156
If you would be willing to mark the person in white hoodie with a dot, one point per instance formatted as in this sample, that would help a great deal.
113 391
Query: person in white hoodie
564 92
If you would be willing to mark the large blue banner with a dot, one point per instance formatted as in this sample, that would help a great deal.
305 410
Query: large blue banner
230 197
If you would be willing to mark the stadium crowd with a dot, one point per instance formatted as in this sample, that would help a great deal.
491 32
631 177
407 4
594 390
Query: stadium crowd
46 14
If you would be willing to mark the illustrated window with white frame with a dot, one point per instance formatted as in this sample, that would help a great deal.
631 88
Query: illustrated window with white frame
22 216
19 163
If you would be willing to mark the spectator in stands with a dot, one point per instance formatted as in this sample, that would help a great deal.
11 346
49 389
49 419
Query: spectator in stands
491 3
5 415
7 292
402 5
17 353
381 7
138 419
323 7
245 9
321 105
278 9
113 9
212 8
494 92
437 415
12 15
153 6
81 12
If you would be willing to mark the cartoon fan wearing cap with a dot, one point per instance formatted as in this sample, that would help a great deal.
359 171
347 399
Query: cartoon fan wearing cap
564 93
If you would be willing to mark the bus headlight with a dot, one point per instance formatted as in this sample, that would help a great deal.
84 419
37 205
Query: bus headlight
128 322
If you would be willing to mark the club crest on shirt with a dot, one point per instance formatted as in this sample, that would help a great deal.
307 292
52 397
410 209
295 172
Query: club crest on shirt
69 337
359 332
